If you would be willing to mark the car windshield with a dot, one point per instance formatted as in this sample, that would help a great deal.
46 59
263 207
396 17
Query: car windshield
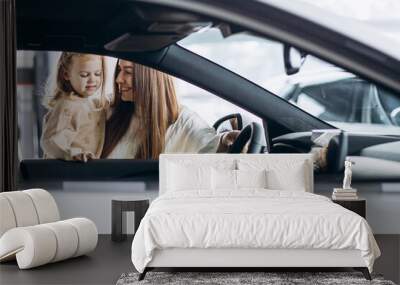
383 16
319 88
364 10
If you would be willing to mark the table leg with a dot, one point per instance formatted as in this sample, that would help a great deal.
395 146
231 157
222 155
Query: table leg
116 221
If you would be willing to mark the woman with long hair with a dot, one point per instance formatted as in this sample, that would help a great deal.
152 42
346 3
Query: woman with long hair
147 120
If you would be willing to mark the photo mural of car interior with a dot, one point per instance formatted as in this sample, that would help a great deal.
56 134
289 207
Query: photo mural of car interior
203 134
55 120
84 107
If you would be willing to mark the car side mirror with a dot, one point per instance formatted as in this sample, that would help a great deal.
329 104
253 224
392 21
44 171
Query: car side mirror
293 59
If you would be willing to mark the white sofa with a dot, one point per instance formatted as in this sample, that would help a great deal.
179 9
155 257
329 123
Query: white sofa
31 231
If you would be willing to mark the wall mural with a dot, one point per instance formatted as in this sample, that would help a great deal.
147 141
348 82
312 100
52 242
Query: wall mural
138 116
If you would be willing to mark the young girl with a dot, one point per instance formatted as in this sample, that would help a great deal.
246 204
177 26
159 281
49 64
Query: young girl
74 126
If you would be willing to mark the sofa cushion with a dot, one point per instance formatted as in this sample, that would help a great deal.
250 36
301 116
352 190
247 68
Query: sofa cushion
45 205
7 215
23 208
27 208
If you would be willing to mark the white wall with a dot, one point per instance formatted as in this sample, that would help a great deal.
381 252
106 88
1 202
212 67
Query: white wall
93 199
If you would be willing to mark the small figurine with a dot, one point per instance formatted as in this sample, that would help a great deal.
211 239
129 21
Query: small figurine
347 174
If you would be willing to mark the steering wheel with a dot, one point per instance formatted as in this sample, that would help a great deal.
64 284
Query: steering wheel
235 116
251 134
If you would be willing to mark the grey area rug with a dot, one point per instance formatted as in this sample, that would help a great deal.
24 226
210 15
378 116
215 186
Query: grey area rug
228 278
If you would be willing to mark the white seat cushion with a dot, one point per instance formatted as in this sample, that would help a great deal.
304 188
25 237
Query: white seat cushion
45 205
23 208
7 220
32 246
87 233
67 238
27 208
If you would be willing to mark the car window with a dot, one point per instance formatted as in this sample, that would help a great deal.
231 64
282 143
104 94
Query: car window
390 104
72 107
209 106
339 101
323 90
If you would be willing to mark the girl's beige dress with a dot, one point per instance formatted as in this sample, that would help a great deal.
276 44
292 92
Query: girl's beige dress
74 126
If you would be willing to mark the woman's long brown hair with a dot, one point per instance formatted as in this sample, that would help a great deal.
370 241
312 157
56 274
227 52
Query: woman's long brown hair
156 107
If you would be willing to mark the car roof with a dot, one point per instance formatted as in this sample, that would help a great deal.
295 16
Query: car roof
117 25
152 27
144 31
365 33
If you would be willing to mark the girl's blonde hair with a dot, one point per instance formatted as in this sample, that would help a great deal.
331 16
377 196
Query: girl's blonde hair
60 86
156 107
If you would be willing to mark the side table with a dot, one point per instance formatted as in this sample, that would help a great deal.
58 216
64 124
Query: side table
358 206
118 206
